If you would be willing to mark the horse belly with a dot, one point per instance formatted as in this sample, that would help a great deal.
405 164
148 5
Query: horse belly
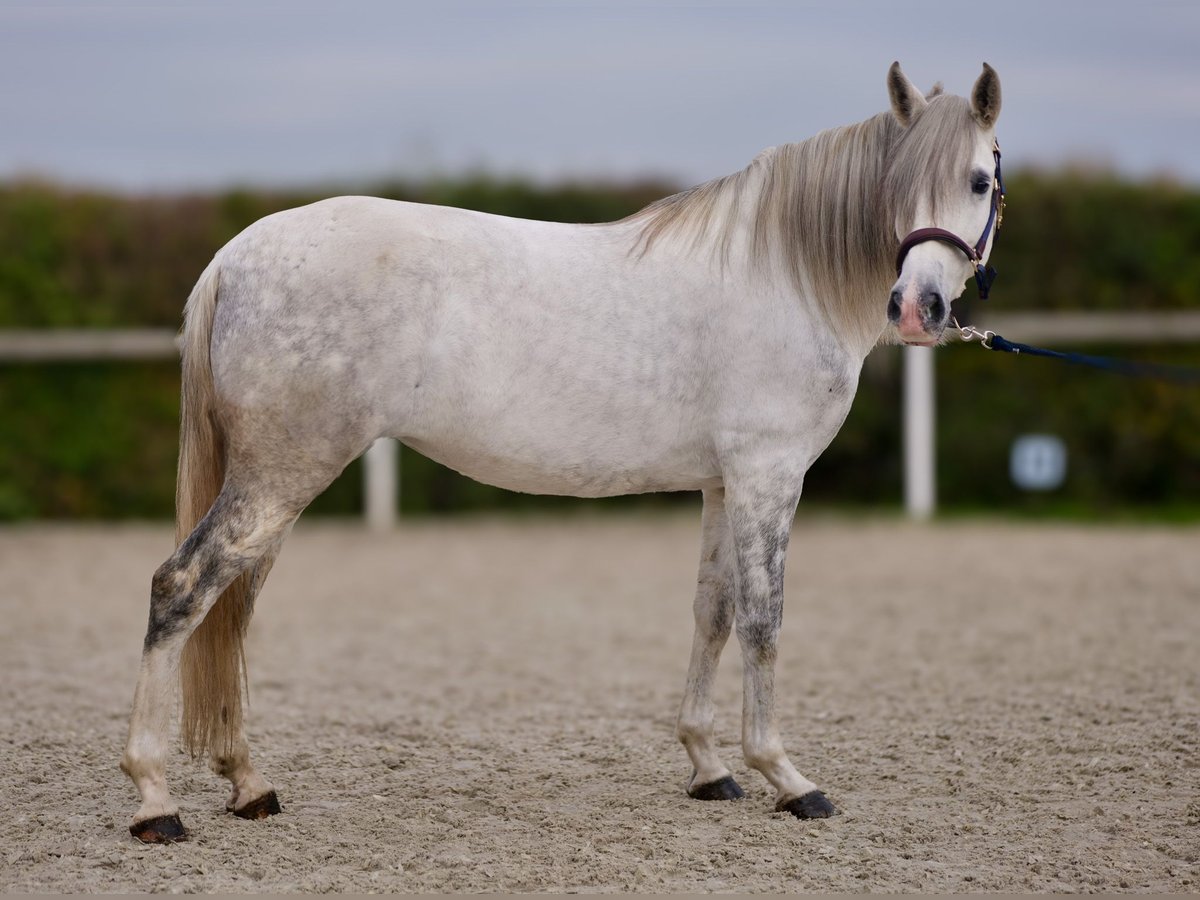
584 458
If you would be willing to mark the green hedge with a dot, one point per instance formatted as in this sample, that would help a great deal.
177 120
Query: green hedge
99 440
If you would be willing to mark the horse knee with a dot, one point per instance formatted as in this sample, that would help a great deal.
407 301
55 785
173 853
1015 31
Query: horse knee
758 631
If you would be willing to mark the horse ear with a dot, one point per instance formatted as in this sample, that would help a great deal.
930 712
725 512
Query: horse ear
935 91
907 101
985 97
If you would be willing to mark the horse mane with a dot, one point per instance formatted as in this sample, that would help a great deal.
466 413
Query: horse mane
827 210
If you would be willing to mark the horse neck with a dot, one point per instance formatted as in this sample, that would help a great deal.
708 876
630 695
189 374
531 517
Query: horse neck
806 219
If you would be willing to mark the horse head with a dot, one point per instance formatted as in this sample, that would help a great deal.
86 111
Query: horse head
943 187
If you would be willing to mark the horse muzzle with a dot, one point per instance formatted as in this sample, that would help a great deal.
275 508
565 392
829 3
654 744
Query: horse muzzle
919 313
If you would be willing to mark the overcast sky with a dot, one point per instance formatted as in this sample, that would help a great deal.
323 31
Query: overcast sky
168 95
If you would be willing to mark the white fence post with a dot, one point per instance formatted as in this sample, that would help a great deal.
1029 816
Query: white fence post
381 478
920 485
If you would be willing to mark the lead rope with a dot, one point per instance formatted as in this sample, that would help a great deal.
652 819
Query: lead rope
989 340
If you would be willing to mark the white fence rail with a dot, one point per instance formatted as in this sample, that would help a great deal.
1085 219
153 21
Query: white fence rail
380 464
86 344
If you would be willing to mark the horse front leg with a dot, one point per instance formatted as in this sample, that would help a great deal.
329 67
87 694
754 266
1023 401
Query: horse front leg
713 609
760 516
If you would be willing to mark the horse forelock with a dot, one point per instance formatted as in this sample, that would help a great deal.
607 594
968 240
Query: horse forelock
826 210
930 160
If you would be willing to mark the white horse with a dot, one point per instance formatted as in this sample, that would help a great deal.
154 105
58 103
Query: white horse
711 342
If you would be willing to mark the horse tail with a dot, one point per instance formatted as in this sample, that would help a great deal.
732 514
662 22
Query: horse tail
213 664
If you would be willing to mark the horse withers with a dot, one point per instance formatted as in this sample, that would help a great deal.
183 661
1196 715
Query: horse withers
712 342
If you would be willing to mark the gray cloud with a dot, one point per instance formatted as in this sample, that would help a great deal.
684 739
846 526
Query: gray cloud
168 95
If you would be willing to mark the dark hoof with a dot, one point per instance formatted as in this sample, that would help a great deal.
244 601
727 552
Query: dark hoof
723 789
266 805
159 830
812 805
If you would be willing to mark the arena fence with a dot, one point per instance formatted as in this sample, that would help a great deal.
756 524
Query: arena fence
381 471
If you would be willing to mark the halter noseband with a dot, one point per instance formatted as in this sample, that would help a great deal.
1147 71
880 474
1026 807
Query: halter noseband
984 276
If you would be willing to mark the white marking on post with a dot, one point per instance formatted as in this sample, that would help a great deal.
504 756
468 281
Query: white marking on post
920 485
380 482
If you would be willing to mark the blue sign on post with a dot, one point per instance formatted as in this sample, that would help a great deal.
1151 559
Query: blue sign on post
1038 462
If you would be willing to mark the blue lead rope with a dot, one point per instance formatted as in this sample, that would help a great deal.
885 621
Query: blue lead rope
1176 374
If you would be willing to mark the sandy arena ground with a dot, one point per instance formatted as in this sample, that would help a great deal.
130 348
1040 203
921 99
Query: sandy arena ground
490 705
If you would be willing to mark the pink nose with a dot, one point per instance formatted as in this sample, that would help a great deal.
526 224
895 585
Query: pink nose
917 314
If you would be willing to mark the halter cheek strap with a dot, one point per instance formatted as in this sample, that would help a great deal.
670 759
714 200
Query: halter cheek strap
984 275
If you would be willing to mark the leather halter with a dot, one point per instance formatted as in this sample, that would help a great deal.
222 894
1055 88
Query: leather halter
984 276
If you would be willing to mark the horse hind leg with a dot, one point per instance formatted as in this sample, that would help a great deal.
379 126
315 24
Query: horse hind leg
714 610
252 796
241 527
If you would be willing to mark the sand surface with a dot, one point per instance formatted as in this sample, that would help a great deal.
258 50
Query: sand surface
489 705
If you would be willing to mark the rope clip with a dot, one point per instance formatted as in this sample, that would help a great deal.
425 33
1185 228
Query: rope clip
970 333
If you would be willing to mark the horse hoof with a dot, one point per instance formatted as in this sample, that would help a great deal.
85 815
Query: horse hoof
722 789
266 805
159 830
812 805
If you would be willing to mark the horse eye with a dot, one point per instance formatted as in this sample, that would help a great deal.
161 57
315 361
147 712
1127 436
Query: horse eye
980 186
